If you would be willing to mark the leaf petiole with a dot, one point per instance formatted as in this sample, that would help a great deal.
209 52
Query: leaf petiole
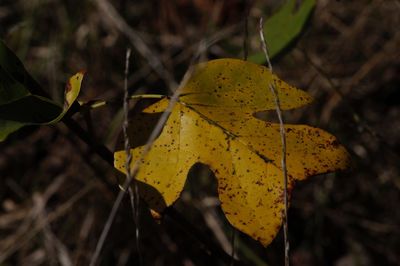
100 103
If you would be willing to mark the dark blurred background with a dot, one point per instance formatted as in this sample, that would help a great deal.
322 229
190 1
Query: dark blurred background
54 204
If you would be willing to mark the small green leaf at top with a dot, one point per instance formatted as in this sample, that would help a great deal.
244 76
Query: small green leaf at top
283 27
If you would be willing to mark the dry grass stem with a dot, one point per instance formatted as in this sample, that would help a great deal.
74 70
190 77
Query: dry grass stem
272 87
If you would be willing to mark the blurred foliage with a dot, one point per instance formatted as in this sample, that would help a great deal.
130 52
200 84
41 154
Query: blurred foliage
347 58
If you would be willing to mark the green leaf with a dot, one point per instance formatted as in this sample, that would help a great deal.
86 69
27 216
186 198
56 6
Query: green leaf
8 127
21 102
31 110
10 89
283 27
11 64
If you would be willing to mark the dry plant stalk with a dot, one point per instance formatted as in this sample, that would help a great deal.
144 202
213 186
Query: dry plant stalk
272 87
134 170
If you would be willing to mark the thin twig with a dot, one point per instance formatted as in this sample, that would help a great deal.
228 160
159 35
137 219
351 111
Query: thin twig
284 168
272 87
264 43
94 104
129 178
133 195
134 170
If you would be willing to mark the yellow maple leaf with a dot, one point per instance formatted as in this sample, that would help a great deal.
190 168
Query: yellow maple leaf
213 123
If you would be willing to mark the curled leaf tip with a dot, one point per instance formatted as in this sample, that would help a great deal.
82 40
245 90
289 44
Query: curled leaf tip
72 88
